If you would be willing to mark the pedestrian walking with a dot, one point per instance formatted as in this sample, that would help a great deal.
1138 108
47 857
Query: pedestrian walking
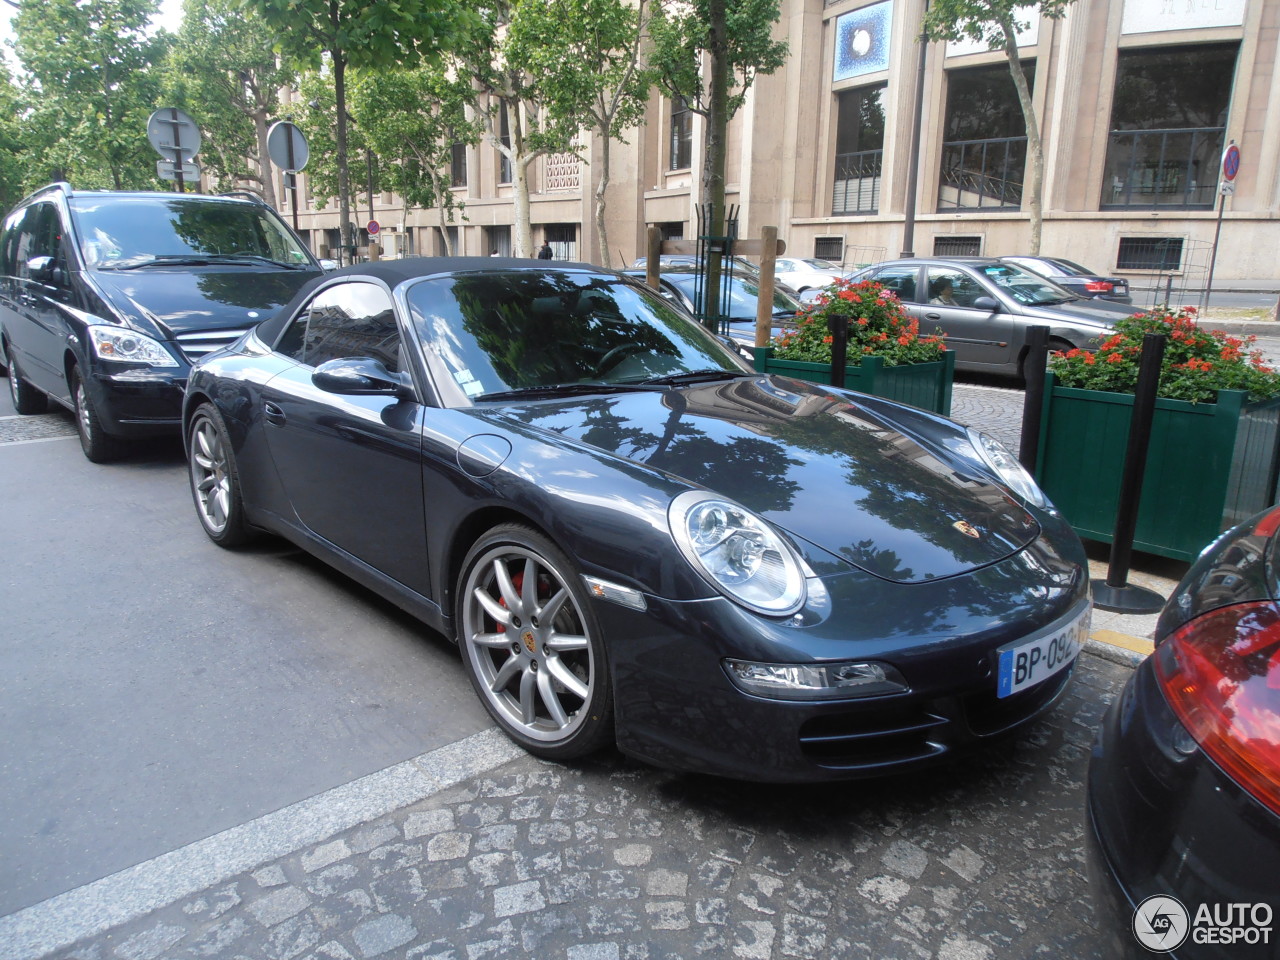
544 252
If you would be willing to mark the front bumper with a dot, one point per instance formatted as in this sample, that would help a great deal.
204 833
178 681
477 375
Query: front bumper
139 402
1164 820
676 706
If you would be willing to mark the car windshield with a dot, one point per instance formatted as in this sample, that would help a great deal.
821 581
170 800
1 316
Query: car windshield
1072 267
1024 286
743 295
488 334
821 264
128 232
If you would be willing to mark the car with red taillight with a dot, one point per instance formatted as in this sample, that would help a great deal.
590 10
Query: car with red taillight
1080 280
1183 799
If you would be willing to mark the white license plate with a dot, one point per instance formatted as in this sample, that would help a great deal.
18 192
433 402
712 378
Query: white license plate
1027 662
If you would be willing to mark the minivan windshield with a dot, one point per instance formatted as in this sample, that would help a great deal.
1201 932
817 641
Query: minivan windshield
122 232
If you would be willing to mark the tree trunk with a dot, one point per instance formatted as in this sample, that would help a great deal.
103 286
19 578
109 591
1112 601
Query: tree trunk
716 145
265 166
520 163
1035 147
344 178
602 234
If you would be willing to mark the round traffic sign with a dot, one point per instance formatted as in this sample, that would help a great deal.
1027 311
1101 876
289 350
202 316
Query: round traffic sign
1230 162
373 228
174 134
287 146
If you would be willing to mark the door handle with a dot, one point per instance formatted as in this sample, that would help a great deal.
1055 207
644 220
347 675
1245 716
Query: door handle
273 413
933 316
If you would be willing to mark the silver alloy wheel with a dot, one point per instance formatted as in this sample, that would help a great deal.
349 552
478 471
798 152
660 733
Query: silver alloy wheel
528 643
210 475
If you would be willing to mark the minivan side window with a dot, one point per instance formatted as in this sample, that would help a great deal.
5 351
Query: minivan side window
345 320
39 236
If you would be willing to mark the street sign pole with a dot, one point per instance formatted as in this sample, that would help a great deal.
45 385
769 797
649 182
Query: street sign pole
293 184
165 131
1227 187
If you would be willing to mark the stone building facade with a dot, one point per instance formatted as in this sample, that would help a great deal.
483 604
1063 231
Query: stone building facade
1137 100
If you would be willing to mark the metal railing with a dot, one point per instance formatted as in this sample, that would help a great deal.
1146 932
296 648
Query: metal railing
857 183
1162 168
982 174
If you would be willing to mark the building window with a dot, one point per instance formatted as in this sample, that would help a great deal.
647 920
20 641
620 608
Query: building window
504 135
1167 127
985 151
458 165
957 246
829 248
681 136
563 238
859 151
673 230
1162 254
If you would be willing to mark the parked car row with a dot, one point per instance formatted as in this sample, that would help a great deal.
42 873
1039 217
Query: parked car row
636 539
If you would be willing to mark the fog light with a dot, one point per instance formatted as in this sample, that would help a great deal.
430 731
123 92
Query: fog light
816 681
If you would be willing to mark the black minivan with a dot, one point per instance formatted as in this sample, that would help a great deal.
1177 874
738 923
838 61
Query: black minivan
106 299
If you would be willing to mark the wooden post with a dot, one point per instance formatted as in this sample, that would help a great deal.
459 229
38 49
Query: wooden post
654 255
764 302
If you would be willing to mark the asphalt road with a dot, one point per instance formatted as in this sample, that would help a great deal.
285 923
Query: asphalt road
155 689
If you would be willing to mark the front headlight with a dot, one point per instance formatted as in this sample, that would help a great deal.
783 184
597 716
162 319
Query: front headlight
114 343
739 553
1006 466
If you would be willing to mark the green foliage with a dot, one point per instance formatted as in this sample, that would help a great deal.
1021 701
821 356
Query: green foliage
224 72
387 34
1197 363
91 81
586 58
877 324
681 32
14 161
410 120
983 20
319 124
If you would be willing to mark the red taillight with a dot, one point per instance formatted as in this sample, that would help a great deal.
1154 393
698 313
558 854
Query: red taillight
1221 675
1097 286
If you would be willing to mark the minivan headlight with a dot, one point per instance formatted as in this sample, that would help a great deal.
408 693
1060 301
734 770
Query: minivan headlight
114 343
738 552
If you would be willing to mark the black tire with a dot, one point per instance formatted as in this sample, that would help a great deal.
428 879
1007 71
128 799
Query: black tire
98 445
215 479
26 398
543 676
1055 344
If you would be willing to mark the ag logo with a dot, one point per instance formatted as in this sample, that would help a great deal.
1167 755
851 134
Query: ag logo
530 643
1160 924
967 528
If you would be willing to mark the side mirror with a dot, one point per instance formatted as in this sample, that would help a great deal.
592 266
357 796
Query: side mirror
361 376
986 303
43 270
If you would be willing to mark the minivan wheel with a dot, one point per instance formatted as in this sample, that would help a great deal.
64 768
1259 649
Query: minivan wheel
98 445
215 481
26 398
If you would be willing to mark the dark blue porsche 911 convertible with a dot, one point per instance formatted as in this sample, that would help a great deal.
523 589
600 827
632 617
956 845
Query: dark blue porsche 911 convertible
634 538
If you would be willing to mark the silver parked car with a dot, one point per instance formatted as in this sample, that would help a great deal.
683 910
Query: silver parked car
806 273
984 306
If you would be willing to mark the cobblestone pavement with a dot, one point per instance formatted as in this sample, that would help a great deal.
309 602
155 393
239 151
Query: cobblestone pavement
611 860
44 426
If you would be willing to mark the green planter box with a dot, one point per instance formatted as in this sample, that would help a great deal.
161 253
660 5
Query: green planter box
1209 466
924 385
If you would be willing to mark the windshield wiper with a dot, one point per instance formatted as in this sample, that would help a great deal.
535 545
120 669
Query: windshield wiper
203 260
693 376
561 390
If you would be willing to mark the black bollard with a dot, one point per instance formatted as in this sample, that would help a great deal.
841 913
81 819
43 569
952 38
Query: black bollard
1033 400
839 327
1116 593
